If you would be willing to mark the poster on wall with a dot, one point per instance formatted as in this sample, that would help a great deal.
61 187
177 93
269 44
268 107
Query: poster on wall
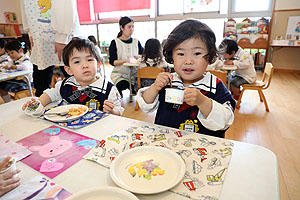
10 17
293 28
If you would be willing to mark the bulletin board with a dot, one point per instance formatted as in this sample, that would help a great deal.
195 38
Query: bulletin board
293 27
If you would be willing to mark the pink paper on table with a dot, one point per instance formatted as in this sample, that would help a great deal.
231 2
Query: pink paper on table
55 149
12 149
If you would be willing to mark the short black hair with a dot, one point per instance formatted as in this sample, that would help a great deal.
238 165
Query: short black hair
15 45
152 50
228 45
2 43
191 29
92 39
80 45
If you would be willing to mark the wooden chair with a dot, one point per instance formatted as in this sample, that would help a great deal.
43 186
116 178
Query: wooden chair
146 73
21 94
259 86
220 74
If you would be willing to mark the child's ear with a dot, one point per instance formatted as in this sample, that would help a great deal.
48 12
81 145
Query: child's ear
98 66
68 70
21 50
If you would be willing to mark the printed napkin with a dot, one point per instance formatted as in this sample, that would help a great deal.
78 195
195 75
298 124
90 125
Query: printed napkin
12 149
206 158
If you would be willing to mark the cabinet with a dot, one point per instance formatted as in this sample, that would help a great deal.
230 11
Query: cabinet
260 46
9 30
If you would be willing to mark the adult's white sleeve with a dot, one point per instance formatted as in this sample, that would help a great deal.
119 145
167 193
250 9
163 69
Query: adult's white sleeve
24 18
65 21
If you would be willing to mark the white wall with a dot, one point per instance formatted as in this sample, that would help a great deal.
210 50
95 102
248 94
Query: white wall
287 4
10 6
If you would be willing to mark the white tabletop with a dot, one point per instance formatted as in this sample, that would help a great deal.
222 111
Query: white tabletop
252 172
10 75
229 67
131 64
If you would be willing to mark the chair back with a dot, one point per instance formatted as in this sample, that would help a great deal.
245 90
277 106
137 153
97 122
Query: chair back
267 75
147 72
220 74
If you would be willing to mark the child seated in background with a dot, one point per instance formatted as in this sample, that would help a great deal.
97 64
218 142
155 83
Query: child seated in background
82 61
208 105
3 55
19 61
245 72
152 55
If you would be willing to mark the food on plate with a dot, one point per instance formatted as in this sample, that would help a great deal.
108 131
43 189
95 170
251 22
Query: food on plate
76 111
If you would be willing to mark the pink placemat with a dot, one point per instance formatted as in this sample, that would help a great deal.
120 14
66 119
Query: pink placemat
55 149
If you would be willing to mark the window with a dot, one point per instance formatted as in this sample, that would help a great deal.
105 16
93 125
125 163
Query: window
187 6
250 6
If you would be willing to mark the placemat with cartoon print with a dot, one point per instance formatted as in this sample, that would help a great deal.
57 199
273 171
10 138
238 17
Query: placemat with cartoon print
90 117
207 158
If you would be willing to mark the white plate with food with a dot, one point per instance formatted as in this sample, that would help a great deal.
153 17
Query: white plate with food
147 169
106 192
72 112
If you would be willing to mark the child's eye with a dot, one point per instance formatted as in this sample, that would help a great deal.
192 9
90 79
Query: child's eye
76 62
91 59
198 53
180 54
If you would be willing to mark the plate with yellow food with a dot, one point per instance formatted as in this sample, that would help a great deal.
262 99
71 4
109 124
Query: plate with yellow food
71 112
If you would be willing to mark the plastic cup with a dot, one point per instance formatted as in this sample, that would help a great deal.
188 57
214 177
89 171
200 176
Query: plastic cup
174 95
11 166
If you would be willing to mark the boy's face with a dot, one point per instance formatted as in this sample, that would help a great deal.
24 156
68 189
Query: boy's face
83 66
228 56
189 62
15 55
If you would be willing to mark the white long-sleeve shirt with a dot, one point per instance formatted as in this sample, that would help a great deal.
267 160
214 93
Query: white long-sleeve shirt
245 65
23 63
49 21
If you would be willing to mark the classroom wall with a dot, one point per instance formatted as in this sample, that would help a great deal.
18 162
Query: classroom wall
286 58
10 6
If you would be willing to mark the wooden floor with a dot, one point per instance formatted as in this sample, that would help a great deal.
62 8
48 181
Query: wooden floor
278 130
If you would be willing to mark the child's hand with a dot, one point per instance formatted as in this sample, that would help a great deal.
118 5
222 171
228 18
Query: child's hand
108 106
7 179
192 96
28 103
162 80
228 62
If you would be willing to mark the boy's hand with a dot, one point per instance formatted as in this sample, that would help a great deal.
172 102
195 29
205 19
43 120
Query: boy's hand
32 101
7 181
162 80
228 62
108 106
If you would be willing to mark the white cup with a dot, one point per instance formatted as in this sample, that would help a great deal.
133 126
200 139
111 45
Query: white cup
174 95
10 168
36 110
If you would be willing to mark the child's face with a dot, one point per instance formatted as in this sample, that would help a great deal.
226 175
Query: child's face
228 56
83 66
2 51
128 29
189 62
15 55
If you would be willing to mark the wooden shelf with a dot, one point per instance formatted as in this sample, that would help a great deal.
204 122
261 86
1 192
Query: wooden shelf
10 30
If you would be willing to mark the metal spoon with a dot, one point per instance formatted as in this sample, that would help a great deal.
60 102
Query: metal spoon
63 113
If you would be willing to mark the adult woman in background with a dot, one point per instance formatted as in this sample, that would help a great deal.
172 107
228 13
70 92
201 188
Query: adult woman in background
121 50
